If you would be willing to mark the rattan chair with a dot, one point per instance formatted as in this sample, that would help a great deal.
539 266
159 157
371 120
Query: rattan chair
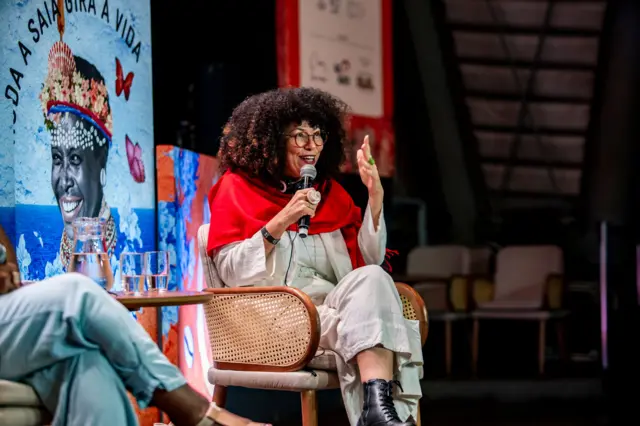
267 338
20 406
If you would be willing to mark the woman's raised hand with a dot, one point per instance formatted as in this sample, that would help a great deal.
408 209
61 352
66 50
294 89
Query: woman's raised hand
368 171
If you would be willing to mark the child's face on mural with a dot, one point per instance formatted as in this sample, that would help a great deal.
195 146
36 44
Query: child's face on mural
75 169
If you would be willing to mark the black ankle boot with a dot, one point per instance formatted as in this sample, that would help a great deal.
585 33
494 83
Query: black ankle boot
378 409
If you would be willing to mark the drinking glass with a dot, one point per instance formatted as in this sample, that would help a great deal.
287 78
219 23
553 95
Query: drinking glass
156 269
131 271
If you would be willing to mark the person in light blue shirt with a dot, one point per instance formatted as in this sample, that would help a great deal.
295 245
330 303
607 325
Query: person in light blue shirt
81 351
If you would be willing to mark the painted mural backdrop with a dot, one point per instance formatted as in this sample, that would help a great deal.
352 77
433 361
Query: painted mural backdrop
184 181
77 139
76 79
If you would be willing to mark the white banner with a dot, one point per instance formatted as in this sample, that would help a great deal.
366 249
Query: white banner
341 51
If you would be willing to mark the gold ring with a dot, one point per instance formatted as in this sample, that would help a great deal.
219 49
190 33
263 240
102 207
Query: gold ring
372 161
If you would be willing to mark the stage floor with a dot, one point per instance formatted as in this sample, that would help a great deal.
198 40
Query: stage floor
555 402
473 413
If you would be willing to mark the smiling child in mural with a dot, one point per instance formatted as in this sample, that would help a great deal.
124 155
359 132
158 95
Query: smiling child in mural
77 113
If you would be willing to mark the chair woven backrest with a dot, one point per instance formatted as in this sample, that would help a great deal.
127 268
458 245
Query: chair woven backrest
267 329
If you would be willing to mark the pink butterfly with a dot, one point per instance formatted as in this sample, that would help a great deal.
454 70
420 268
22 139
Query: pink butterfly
134 156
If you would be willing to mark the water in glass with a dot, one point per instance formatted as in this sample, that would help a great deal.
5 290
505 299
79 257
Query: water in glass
131 272
157 281
156 268
90 255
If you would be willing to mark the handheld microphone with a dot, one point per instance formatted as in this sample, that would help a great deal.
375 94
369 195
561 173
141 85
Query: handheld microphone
308 174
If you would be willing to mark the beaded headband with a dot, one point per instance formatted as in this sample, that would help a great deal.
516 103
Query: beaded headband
66 91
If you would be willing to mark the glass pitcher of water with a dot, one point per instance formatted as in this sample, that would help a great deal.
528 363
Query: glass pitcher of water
90 255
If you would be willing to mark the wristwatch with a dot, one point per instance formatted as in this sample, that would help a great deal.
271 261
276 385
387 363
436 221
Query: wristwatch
3 254
267 236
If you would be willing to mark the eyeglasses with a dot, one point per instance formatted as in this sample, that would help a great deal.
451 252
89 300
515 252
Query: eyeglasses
302 138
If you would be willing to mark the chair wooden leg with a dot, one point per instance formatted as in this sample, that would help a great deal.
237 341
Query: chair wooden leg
219 395
447 346
418 420
309 401
542 344
474 347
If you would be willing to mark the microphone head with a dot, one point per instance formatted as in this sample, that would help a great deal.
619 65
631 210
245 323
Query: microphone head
308 171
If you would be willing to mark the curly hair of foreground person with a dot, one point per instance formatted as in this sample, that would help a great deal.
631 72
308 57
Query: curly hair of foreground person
254 138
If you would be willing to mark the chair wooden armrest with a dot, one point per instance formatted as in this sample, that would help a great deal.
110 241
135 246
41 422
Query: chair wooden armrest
463 288
262 328
482 289
554 291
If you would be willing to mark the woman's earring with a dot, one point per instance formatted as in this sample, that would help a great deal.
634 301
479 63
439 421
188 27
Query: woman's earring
103 177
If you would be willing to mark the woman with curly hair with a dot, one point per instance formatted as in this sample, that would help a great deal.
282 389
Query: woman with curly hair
254 241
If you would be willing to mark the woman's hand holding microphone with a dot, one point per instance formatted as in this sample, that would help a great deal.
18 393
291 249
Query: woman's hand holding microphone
303 203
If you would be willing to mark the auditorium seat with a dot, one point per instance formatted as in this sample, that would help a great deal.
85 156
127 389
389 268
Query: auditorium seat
528 286
442 275
20 406
267 338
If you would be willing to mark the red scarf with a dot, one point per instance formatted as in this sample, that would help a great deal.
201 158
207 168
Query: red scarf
241 206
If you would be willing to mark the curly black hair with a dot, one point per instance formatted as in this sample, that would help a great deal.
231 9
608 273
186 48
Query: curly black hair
254 139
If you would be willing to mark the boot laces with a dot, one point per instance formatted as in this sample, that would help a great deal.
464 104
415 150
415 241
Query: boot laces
386 403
